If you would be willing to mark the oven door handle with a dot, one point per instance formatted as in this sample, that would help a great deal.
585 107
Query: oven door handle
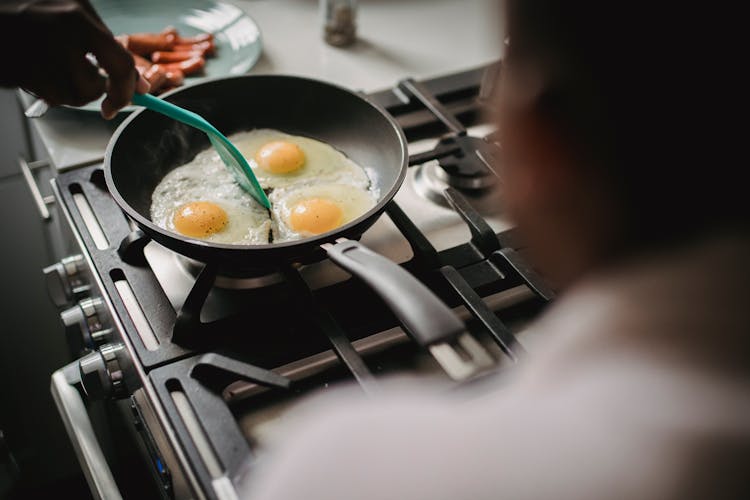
78 425
40 200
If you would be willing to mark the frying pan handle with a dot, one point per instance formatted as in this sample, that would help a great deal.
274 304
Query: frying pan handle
425 317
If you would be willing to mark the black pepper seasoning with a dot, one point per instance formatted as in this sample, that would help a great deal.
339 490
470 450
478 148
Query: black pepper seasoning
339 18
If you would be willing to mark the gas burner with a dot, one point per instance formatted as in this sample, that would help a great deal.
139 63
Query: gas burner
245 279
464 162
431 182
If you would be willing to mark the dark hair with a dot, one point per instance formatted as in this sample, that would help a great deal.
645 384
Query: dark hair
648 95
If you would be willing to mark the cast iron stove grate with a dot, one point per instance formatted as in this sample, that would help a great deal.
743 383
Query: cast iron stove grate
198 359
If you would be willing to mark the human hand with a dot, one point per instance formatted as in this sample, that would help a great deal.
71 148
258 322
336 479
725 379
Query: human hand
46 42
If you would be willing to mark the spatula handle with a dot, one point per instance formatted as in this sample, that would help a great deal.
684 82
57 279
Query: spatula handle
174 112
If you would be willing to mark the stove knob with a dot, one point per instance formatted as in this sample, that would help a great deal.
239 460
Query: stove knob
102 372
65 280
83 327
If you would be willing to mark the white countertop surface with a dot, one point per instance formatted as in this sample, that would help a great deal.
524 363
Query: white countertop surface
396 39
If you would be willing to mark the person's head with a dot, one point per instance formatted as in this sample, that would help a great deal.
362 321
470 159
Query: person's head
614 120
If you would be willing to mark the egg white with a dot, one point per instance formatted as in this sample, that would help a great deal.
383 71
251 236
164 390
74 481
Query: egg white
327 173
323 163
353 200
207 179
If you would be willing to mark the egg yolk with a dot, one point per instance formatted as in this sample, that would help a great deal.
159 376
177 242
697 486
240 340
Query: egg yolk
315 216
200 219
280 157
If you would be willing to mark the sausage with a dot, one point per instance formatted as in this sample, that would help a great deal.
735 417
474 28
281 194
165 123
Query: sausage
203 37
144 44
170 30
156 77
141 64
169 56
207 48
175 77
188 67
172 56
122 40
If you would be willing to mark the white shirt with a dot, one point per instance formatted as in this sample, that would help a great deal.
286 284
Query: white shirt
640 389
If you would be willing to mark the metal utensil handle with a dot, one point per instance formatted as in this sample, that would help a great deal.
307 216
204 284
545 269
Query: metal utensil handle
426 318
41 201
419 91
37 109
77 424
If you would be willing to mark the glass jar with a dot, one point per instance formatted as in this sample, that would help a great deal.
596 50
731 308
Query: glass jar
339 21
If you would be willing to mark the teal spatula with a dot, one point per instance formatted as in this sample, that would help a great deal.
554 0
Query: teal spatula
228 153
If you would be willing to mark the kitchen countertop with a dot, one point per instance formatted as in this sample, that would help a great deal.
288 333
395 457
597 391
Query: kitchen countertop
396 39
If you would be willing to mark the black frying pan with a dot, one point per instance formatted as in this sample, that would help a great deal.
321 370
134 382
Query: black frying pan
148 145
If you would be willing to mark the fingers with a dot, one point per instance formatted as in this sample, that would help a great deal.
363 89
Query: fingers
113 58
76 82
142 86
87 83
52 94
119 65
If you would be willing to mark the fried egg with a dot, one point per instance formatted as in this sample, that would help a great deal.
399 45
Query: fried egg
307 210
202 200
279 160
313 189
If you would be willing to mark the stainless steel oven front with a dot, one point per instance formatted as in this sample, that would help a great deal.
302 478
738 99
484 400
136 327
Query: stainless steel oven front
102 370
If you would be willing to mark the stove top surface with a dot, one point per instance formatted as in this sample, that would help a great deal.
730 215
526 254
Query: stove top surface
225 356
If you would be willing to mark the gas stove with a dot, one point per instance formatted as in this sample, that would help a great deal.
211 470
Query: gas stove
203 364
